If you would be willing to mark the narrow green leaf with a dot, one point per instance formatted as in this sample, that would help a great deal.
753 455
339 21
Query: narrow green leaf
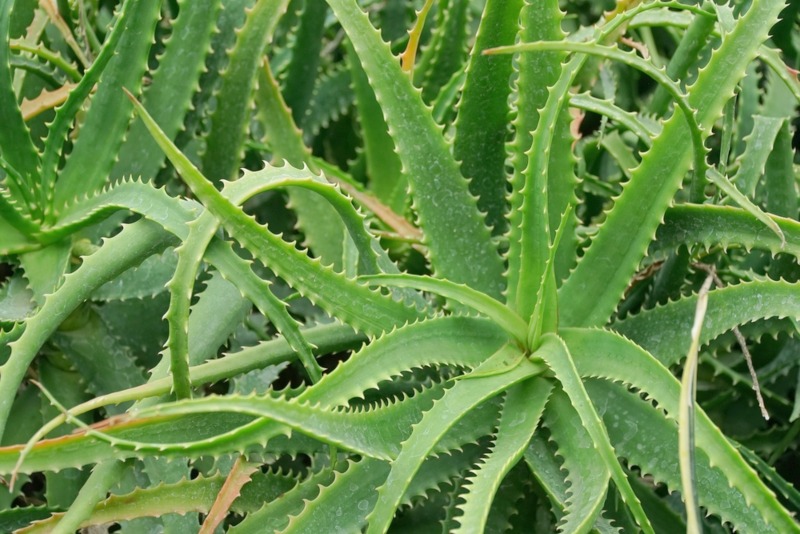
184 496
322 228
780 190
457 237
731 190
462 397
522 409
662 330
330 338
758 146
447 51
482 122
12 213
586 477
643 128
280 130
558 358
384 167
16 145
375 433
190 254
632 60
146 280
302 69
333 98
441 341
169 94
275 515
464 295
689 48
106 122
542 88
326 513
240 273
46 267
229 122
371 311
732 489
707 225
593 290
106 368
87 499
119 253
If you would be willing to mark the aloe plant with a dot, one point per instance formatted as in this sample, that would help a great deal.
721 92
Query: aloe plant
448 293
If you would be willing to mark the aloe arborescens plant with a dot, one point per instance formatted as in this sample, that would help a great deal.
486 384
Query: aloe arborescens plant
515 376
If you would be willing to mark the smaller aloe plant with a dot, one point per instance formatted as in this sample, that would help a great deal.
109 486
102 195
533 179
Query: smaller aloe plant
493 291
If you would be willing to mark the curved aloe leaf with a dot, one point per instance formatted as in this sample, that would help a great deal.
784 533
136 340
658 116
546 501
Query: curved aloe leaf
458 239
376 433
630 59
662 331
273 178
371 311
169 95
232 424
16 145
327 338
559 359
690 224
456 341
593 290
586 473
519 417
433 342
190 255
610 356
184 496
734 194
298 512
464 295
119 253
463 396
323 230
101 134
645 130
654 452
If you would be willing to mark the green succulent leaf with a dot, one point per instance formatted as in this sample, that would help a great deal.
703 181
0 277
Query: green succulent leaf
457 238
609 356
662 331
633 223
435 422
373 312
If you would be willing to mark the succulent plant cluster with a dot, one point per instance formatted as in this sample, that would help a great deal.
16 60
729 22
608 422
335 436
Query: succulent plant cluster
466 265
